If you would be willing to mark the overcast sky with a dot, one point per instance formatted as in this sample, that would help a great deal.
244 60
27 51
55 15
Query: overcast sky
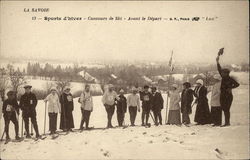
76 40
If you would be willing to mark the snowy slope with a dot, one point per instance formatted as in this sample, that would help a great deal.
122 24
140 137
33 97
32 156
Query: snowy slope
163 142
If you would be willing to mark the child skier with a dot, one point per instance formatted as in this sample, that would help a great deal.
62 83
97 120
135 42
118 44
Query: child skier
10 113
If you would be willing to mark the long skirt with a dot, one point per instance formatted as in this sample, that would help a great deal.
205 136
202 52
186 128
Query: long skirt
202 113
67 121
174 117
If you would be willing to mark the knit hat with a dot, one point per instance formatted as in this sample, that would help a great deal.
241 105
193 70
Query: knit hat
200 81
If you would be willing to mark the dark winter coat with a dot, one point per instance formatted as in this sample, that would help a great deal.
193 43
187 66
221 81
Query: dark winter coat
186 100
202 114
121 104
157 101
146 99
67 106
28 103
227 84
14 107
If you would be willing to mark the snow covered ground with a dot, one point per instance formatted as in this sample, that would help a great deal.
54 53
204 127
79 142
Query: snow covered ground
162 142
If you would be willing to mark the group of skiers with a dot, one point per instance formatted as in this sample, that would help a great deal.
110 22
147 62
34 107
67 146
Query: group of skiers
180 104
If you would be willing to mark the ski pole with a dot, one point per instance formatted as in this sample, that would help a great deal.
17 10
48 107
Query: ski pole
2 135
31 128
22 128
166 118
152 116
45 117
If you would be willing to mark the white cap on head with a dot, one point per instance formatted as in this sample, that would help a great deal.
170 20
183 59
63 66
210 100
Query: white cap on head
53 89
134 89
175 86
66 87
217 76
111 86
200 81
121 91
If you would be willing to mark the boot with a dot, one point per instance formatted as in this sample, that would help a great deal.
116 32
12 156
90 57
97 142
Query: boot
28 135
18 138
7 137
38 136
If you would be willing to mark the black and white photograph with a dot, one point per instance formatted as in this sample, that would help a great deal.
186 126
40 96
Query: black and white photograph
124 80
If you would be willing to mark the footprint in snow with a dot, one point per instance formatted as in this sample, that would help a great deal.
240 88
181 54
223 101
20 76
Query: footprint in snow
181 142
144 133
193 133
130 141
165 141
107 154
150 142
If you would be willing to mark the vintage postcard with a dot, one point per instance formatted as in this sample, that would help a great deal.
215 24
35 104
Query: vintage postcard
124 80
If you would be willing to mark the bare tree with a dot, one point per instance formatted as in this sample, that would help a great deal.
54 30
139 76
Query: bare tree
60 86
16 77
4 82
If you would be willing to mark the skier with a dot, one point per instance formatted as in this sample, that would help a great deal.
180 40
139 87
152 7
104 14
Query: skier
67 107
28 104
226 97
86 101
157 105
54 107
216 111
121 107
146 98
174 115
202 114
108 101
134 105
10 113
186 102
